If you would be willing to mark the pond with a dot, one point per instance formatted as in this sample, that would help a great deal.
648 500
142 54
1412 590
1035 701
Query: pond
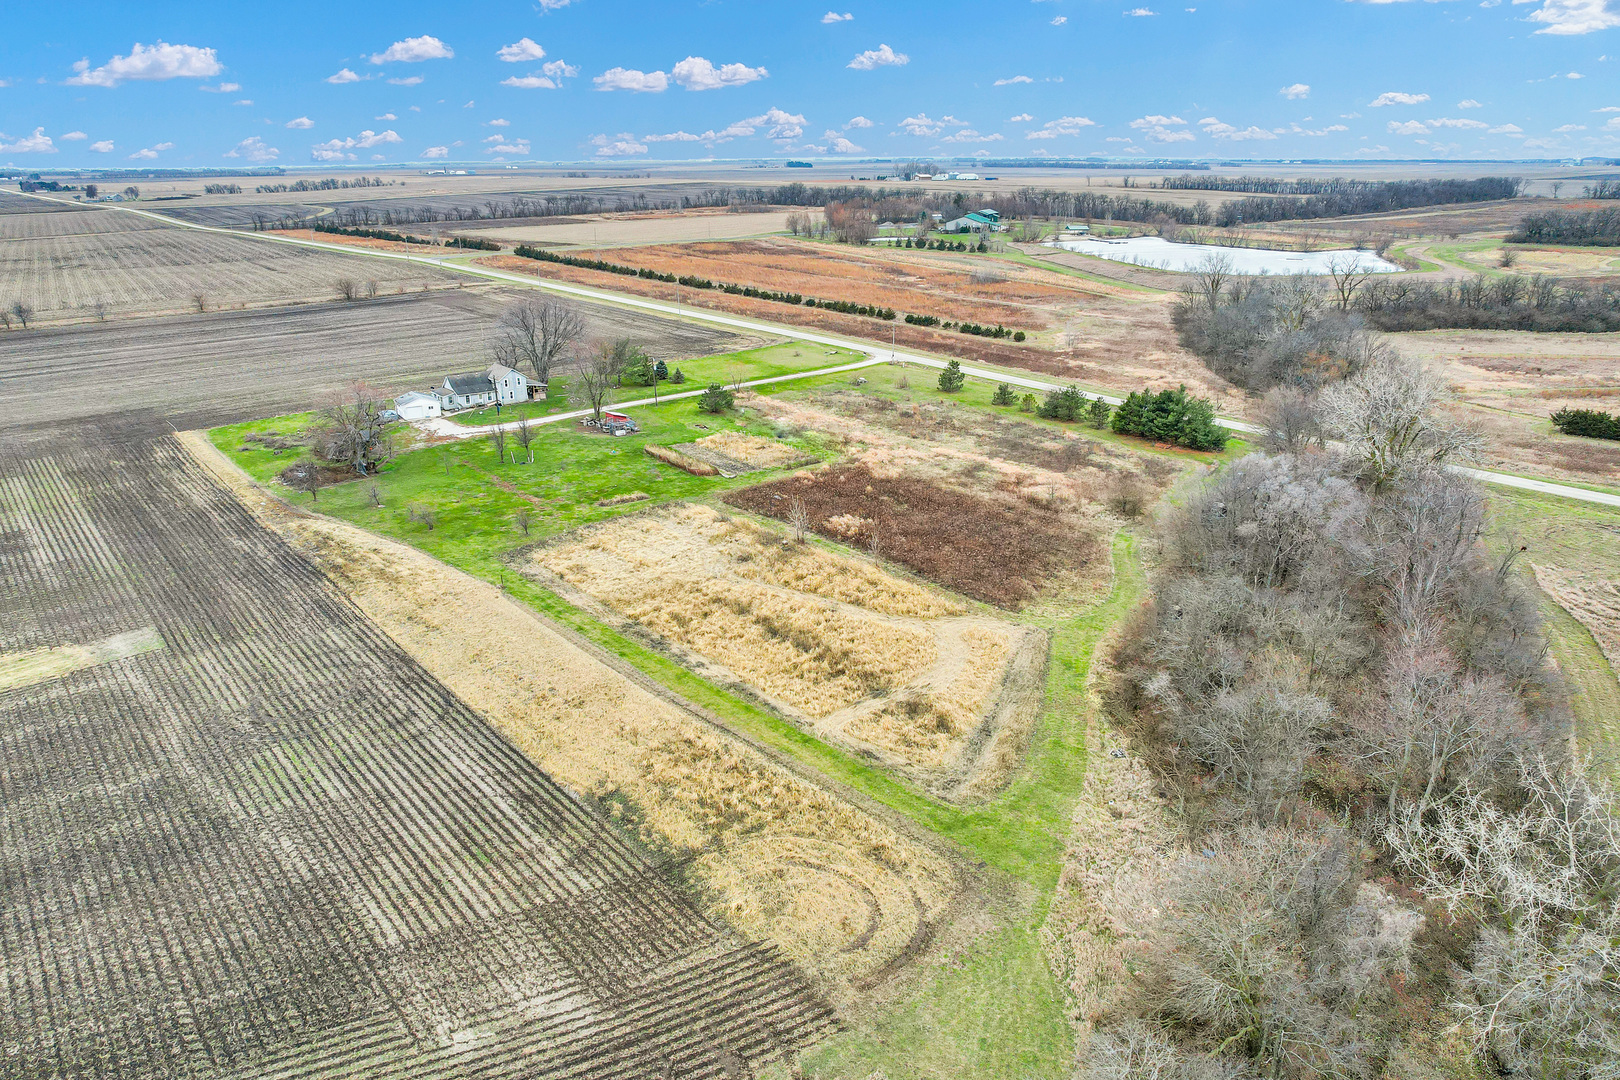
1161 254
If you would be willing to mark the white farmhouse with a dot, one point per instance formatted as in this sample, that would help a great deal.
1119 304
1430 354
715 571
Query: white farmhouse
497 383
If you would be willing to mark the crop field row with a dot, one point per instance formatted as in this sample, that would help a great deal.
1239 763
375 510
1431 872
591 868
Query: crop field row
15 202
277 845
231 365
166 269
62 221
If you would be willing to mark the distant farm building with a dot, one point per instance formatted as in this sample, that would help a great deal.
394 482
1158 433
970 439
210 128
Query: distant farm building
977 221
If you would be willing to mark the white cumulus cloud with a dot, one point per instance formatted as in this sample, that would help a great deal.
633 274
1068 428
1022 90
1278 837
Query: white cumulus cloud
1011 81
344 75
254 149
1215 129
1411 127
503 145
834 17
413 50
143 155
1021 118
882 56
1395 97
409 80
222 88
1063 125
519 51
1449 122
858 122
1296 91
1574 16
838 144
1469 103
37 143
642 82
1140 13
436 152
1060 20
1510 130
73 136
105 146
621 145
968 135
530 82
557 69
149 63
696 73
304 122
920 125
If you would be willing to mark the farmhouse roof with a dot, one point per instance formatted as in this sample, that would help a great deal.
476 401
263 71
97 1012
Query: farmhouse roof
472 382
413 395
497 372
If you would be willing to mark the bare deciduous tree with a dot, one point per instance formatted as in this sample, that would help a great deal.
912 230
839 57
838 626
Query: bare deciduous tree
535 332
200 300
798 518
347 289
1210 277
1288 415
524 434
306 476
23 312
1387 416
497 440
1348 273
522 519
594 378
349 429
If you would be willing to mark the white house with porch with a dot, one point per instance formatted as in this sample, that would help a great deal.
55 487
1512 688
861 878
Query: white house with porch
476 389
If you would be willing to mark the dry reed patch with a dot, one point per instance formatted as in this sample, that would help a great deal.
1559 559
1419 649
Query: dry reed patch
837 645
1001 550
679 460
671 573
785 861
755 450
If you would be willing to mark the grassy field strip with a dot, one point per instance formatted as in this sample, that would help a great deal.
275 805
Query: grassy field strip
752 326
31 668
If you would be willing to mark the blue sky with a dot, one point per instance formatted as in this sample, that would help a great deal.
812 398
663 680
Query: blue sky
298 83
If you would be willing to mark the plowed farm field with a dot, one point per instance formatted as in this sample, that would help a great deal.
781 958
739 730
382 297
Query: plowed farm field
93 263
244 833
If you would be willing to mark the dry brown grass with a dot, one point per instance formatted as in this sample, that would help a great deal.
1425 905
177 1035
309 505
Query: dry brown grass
926 726
837 890
679 460
834 643
755 450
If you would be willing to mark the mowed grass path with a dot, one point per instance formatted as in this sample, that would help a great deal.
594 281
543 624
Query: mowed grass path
990 1010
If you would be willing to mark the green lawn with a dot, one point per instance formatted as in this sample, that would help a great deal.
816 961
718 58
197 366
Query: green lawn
768 362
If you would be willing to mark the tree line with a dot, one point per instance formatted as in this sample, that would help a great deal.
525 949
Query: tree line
1344 690
1599 228
1369 197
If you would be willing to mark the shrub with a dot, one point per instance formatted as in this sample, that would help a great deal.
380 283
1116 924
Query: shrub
716 399
1588 422
951 379
1018 335
677 376
1170 416
1027 404
1004 396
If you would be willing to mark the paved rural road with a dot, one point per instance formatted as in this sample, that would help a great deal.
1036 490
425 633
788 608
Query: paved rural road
876 353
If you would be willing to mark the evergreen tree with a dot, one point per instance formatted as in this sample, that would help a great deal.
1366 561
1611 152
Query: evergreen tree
951 379
661 371
1097 413
1004 395
1066 404
1028 404
716 399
